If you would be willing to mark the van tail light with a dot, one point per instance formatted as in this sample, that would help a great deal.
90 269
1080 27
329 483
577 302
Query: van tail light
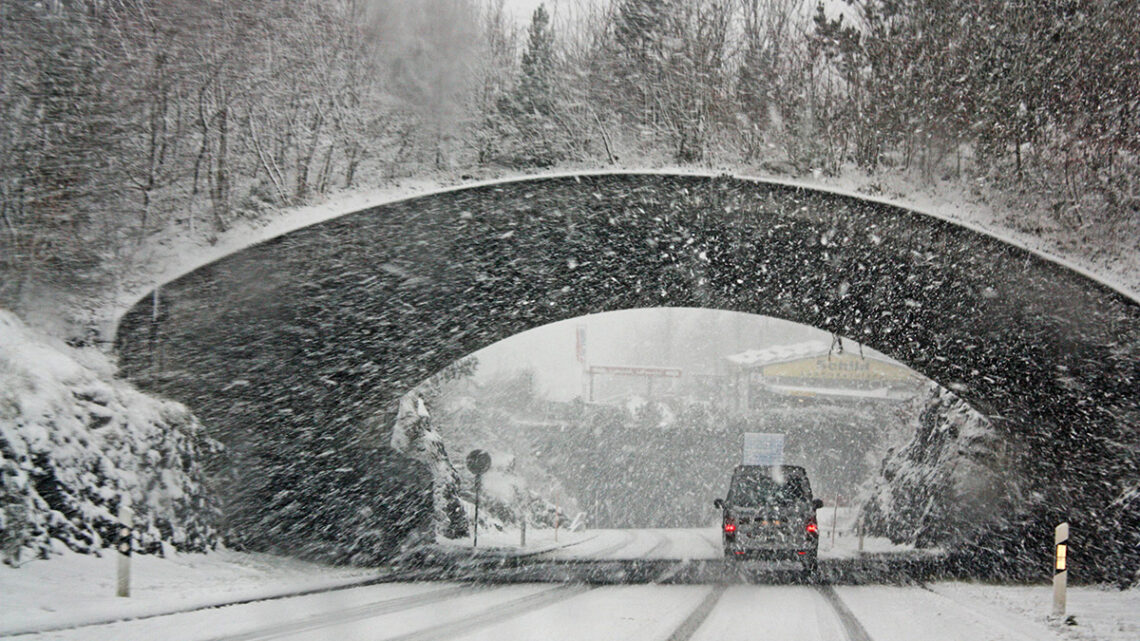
812 528
730 527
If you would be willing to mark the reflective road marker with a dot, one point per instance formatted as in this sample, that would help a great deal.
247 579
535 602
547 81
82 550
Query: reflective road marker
1060 568
126 523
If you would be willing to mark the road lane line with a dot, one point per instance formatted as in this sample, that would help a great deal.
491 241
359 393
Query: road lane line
851 626
357 613
693 622
609 553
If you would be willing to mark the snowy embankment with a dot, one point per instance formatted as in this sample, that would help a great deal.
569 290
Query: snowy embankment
75 589
75 442
953 611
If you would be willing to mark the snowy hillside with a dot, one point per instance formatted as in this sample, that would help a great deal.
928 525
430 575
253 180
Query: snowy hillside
74 441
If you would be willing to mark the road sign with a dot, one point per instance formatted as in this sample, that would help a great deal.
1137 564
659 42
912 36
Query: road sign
618 370
763 449
478 461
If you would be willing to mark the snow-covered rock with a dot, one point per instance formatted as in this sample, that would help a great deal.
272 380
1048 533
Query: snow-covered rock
414 436
949 482
75 441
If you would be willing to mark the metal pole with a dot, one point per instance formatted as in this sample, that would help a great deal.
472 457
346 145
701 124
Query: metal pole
478 486
1060 568
126 519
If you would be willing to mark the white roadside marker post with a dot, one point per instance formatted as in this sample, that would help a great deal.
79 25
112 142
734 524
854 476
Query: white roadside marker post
126 523
1060 568
834 519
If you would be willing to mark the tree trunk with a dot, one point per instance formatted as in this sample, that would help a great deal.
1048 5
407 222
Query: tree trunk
221 187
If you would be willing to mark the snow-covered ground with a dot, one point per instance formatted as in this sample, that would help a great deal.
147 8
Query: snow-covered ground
1099 612
953 610
75 588
838 538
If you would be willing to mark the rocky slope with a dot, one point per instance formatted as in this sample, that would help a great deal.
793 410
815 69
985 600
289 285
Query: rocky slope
75 443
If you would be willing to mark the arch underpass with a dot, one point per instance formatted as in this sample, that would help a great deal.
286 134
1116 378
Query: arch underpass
315 334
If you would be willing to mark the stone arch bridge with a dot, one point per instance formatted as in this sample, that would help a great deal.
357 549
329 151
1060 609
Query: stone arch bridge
295 351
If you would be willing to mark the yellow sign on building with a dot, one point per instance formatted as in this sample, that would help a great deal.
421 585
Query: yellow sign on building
838 368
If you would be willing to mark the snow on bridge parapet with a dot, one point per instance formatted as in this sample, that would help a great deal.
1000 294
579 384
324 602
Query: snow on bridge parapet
176 257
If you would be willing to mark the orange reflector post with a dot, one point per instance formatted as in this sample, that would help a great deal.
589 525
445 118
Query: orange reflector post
1062 550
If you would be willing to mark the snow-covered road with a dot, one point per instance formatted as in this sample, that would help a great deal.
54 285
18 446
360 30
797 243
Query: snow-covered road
684 544
553 612
739 604
678 544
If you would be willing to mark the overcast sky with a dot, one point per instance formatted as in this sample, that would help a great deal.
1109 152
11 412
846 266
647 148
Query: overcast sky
692 339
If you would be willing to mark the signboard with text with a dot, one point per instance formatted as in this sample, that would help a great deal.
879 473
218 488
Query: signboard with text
664 372
763 449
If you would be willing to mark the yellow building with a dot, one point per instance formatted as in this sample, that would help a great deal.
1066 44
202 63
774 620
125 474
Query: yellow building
815 369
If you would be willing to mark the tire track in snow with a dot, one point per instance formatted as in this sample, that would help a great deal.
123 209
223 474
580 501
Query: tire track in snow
851 626
693 622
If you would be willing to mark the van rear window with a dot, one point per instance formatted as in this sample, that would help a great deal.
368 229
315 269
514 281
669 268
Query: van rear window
758 489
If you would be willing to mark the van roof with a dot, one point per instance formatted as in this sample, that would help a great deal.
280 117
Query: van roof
794 469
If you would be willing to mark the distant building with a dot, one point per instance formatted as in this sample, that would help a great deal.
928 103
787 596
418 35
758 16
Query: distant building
814 370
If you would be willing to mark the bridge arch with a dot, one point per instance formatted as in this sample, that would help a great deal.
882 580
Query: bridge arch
328 325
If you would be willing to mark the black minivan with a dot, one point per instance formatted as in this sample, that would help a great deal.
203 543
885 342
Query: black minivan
770 514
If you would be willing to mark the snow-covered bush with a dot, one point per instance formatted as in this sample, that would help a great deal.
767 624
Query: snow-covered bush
74 441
